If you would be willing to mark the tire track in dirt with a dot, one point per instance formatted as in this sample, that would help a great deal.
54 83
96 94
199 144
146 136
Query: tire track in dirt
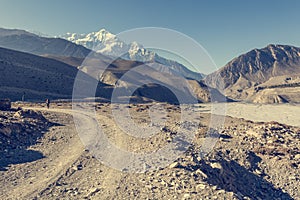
62 160
112 176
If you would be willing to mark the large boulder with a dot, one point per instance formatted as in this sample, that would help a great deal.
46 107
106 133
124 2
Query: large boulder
29 114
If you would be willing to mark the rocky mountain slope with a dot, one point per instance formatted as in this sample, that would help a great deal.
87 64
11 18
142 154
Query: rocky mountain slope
152 72
152 81
39 78
24 41
241 77
279 89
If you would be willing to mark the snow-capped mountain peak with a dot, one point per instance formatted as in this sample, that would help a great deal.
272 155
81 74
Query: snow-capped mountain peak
109 44
137 52
102 36
101 41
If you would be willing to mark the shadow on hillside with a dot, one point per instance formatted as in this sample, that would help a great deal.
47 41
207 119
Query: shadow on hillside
235 178
14 148
18 157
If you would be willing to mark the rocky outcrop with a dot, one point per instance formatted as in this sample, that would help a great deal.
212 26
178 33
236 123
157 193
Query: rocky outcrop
20 128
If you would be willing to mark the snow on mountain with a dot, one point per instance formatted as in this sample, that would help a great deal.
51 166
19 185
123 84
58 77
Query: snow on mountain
102 41
109 44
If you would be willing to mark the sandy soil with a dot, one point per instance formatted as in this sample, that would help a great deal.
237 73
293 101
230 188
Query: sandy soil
283 113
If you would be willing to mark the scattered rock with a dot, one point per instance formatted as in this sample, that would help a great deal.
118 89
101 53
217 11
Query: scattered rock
174 165
216 165
297 157
201 173
93 191
226 172
79 167
29 114
200 186
186 196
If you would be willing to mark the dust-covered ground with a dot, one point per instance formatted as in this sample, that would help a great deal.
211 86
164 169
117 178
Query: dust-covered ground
42 157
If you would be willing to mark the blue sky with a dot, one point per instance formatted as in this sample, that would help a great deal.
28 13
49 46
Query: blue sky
224 28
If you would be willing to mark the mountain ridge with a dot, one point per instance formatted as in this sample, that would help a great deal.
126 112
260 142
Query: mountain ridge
109 44
239 77
21 40
39 78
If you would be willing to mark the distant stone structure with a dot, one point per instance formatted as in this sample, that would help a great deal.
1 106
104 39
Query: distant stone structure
5 104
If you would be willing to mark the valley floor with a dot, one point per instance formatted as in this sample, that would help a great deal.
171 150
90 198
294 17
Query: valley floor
251 160
283 113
